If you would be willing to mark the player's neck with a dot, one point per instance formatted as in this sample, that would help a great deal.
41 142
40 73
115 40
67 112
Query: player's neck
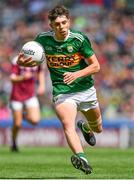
62 38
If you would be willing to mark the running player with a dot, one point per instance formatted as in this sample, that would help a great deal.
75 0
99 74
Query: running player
71 62
23 96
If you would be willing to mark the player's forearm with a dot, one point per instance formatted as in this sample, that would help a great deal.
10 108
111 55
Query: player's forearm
41 83
41 78
16 78
91 69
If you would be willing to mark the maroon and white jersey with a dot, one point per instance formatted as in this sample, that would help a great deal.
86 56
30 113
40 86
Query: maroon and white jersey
25 89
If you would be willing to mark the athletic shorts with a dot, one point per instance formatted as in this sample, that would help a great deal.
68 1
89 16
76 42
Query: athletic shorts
31 102
84 100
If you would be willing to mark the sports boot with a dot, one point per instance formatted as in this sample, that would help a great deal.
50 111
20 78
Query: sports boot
89 137
81 163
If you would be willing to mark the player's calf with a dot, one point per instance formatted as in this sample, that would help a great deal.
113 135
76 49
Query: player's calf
96 126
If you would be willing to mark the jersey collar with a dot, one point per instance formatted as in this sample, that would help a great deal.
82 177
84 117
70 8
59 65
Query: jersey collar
64 39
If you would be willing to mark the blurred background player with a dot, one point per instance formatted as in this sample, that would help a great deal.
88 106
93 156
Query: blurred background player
23 99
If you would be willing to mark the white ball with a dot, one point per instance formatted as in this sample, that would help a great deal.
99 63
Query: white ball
35 50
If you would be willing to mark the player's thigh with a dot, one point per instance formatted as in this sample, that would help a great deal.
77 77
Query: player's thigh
94 118
66 112
17 112
32 109
33 114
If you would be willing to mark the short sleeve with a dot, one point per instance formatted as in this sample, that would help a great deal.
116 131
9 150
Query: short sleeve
37 39
86 48
14 66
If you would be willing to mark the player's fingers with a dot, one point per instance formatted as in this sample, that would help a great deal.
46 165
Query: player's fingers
66 74
28 60
68 80
20 55
31 63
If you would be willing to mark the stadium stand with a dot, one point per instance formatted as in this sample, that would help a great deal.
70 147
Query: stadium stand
109 25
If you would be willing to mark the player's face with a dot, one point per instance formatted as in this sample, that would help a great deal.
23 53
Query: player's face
60 26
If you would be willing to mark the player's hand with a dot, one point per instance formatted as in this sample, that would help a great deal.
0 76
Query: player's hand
70 77
41 90
27 62
27 75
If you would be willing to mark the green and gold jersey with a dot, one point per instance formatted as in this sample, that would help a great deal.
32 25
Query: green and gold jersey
66 56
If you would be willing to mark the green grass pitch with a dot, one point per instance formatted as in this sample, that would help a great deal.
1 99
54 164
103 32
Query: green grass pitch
54 163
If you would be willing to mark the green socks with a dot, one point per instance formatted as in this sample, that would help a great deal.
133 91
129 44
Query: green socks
82 155
85 127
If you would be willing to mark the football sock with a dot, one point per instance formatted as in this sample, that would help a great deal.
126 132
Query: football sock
82 155
14 143
85 127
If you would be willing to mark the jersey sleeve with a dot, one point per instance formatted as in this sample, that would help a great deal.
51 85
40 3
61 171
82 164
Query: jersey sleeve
14 66
14 69
37 39
86 48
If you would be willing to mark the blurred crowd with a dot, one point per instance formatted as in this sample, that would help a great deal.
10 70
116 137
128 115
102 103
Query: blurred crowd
109 24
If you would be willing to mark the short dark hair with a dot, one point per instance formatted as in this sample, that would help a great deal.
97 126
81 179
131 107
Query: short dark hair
58 10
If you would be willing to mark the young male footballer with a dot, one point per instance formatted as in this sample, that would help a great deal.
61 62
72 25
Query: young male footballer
71 62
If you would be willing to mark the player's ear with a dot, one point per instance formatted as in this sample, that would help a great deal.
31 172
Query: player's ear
50 24
69 21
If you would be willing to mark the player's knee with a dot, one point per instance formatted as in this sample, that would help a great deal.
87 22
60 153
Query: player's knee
68 128
34 122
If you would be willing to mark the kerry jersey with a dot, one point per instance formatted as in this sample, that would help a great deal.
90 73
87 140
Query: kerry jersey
66 56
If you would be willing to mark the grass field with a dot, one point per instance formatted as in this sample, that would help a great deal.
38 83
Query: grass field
54 163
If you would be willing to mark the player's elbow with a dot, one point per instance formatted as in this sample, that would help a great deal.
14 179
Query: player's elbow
97 68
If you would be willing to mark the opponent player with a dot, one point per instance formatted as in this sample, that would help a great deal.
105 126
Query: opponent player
71 62
23 96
